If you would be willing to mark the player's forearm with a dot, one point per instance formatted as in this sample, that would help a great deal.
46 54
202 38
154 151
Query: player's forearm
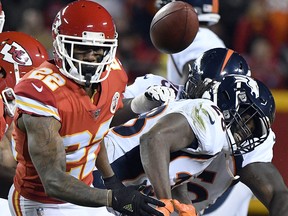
124 114
102 162
155 162
67 188
181 194
279 204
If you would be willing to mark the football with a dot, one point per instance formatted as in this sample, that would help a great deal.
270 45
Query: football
174 27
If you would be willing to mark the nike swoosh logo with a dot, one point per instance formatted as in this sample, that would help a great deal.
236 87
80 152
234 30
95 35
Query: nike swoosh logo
39 89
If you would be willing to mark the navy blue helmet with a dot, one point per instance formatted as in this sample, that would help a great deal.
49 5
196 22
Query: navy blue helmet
248 108
215 64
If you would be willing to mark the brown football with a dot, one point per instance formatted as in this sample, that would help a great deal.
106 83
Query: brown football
174 27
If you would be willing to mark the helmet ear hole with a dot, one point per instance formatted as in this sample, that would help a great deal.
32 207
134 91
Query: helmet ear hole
2 73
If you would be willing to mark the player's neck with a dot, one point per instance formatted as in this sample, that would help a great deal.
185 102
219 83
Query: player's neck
92 89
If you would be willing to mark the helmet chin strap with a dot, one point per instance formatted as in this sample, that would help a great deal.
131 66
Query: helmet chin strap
88 79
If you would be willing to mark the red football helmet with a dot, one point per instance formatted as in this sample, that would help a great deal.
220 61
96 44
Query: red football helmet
2 18
19 53
89 25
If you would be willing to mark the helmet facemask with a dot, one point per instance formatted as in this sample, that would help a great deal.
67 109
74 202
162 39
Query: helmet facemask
247 127
7 93
248 108
84 72
8 96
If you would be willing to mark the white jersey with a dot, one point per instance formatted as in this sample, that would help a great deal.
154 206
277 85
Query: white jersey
207 169
204 40
122 142
219 175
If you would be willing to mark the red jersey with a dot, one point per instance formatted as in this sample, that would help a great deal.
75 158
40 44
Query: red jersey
85 121
2 119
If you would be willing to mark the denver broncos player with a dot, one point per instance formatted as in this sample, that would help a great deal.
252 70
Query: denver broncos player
64 109
20 53
209 165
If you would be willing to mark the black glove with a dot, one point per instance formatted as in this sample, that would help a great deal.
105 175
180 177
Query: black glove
131 202
113 183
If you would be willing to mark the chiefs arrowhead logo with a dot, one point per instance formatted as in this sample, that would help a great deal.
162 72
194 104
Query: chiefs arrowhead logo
15 53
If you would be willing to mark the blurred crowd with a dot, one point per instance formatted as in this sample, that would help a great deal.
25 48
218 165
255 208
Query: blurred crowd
257 29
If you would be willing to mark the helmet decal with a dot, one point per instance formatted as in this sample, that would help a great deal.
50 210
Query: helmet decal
16 54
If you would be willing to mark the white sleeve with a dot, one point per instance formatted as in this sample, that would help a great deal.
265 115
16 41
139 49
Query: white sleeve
204 40
262 153
206 124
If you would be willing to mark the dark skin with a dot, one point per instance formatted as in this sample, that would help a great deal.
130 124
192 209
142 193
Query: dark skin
48 155
49 158
123 115
92 54
156 145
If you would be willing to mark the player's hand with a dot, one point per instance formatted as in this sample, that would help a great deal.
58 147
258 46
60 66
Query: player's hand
162 94
129 201
168 208
154 96
113 183
184 209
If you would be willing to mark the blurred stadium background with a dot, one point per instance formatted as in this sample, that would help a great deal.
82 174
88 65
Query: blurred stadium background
257 29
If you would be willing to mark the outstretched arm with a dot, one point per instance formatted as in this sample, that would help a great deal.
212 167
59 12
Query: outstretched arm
47 152
102 162
170 134
268 186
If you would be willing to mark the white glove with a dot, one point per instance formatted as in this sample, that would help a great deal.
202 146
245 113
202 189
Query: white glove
161 94
154 96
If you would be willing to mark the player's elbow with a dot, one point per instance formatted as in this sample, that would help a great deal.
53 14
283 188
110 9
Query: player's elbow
149 141
53 185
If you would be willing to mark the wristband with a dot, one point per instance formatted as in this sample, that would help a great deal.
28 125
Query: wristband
107 201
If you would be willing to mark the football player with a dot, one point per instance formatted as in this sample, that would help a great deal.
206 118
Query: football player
20 53
214 64
225 61
64 109
208 15
210 164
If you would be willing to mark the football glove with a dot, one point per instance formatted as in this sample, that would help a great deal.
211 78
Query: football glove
168 208
153 96
129 201
161 94
184 209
